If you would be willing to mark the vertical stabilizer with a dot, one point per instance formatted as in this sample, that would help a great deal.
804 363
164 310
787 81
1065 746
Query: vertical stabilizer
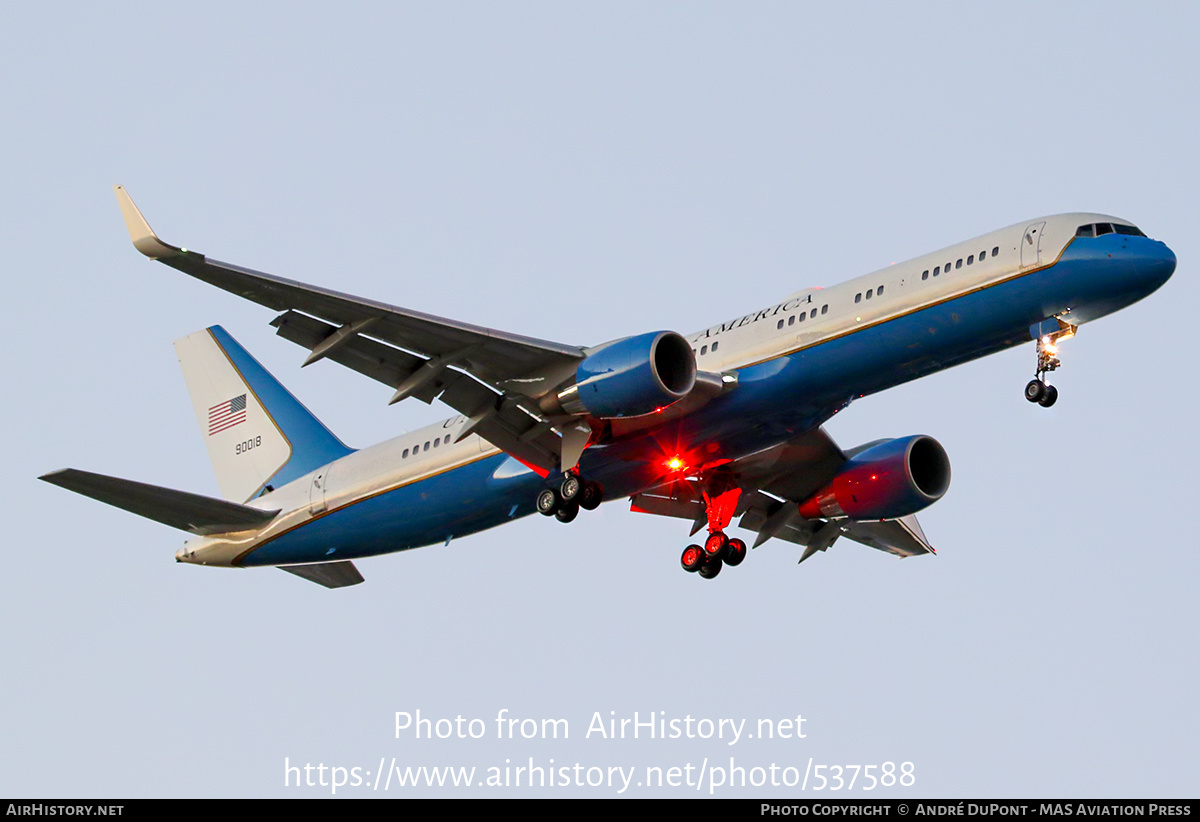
256 432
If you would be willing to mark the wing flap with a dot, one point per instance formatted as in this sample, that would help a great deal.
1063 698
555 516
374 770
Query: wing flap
667 506
195 513
371 358
902 537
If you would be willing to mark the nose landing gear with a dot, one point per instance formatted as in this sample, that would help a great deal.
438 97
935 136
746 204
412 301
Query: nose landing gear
1048 333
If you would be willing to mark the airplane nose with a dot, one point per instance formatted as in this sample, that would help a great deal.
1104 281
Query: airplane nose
1162 266
1155 263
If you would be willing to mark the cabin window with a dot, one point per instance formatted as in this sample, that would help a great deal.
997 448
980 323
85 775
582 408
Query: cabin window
946 268
858 297
792 319
937 270
802 316
879 290
971 260
703 350
995 251
404 456
779 325
426 448
925 274
447 440
869 293
812 314
718 342
437 442
825 309
982 255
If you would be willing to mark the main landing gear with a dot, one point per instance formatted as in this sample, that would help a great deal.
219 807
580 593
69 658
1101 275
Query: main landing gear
1038 390
718 550
572 493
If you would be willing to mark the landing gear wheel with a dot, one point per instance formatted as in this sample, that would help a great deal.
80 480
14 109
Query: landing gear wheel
1049 397
1035 390
570 488
568 511
710 569
735 552
547 502
591 496
714 546
692 559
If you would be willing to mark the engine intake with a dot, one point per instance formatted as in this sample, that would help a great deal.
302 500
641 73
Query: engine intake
886 481
630 377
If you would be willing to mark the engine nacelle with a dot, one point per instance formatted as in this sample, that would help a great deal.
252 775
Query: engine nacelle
630 377
889 480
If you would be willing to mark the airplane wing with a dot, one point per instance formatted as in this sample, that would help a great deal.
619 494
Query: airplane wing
491 377
774 483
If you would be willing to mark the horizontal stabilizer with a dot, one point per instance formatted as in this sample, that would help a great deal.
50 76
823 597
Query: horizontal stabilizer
189 512
330 574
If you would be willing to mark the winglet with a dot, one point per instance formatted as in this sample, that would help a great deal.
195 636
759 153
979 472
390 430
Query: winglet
144 238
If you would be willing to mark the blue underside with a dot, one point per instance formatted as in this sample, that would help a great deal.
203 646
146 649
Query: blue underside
783 397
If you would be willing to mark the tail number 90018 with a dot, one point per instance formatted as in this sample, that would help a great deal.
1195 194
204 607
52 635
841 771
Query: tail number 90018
243 447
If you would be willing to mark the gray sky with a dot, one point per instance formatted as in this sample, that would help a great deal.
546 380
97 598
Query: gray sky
579 173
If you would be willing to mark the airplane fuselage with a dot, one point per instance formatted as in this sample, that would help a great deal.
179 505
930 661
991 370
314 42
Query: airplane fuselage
787 369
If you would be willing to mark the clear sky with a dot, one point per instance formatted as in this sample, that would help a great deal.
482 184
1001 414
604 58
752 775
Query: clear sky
581 172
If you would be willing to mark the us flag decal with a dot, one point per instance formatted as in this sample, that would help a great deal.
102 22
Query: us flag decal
226 414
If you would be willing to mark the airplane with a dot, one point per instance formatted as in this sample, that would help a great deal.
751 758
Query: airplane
719 424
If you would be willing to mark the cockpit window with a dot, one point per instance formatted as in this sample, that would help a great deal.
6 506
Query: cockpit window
1099 229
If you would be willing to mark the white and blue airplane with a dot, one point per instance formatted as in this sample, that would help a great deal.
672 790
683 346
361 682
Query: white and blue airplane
719 424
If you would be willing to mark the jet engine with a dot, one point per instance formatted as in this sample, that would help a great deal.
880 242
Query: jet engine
886 480
629 377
